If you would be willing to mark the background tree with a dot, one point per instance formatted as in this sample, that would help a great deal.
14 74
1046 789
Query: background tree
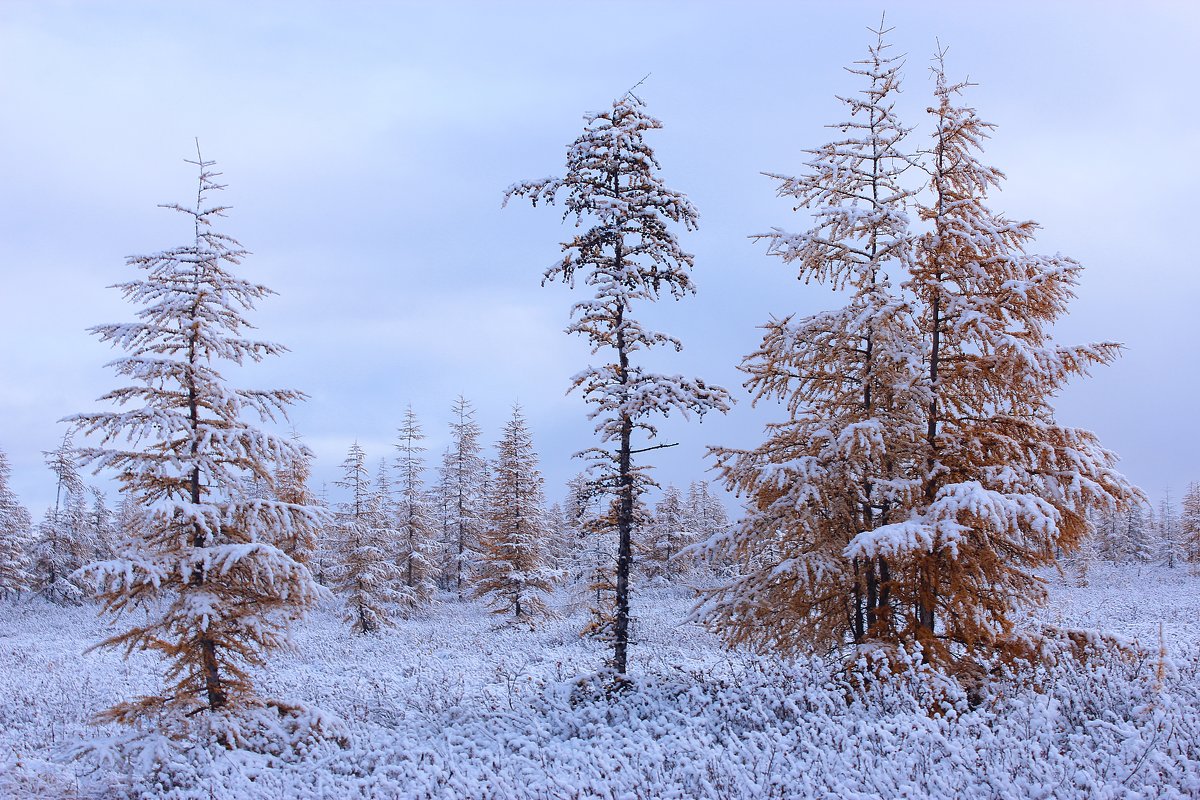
1136 545
670 531
851 382
1169 539
217 593
366 573
513 572
560 550
628 255
462 490
101 523
414 521
15 535
1189 522
291 486
708 519
63 536
1108 532
579 508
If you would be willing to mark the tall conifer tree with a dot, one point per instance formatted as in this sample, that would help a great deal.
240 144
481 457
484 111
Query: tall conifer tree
851 382
627 256
1003 485
291 486
218 592
670 532
62 544
922 478
1170 543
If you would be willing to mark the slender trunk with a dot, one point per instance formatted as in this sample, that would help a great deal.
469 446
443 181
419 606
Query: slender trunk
412 552
927 589
213 687
462 534
624 545
872 596
858 603
624 513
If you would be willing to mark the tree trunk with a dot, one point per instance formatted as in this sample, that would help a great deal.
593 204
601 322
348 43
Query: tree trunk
624 546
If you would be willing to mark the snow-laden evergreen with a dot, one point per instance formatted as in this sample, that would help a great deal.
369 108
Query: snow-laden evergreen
514 574
1169 546
291 486
15 535
922 476
1189 522
414 522
628 256
62 543
669 533
460 498
366 573
214 594
851 382
1004 486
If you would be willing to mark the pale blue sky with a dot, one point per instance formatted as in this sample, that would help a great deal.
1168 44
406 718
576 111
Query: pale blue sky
367 147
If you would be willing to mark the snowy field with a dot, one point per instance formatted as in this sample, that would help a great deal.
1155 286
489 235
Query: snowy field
450 706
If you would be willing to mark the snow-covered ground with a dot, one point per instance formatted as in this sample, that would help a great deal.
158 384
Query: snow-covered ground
453 706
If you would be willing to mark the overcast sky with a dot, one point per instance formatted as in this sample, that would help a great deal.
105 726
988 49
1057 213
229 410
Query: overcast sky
367 147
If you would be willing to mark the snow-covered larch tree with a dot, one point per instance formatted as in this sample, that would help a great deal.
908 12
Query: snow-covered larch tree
414 520
1003 486
706 512
1136 542
291 486
63 535
462 482
851 382
628 255
366 574
670 531
1170 543
513 573
217 592
579 509
15 535
101 527
1189 522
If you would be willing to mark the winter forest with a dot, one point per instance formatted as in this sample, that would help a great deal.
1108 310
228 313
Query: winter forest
675 532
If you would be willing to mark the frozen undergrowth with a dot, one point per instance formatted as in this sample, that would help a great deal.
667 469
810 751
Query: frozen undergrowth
451 706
